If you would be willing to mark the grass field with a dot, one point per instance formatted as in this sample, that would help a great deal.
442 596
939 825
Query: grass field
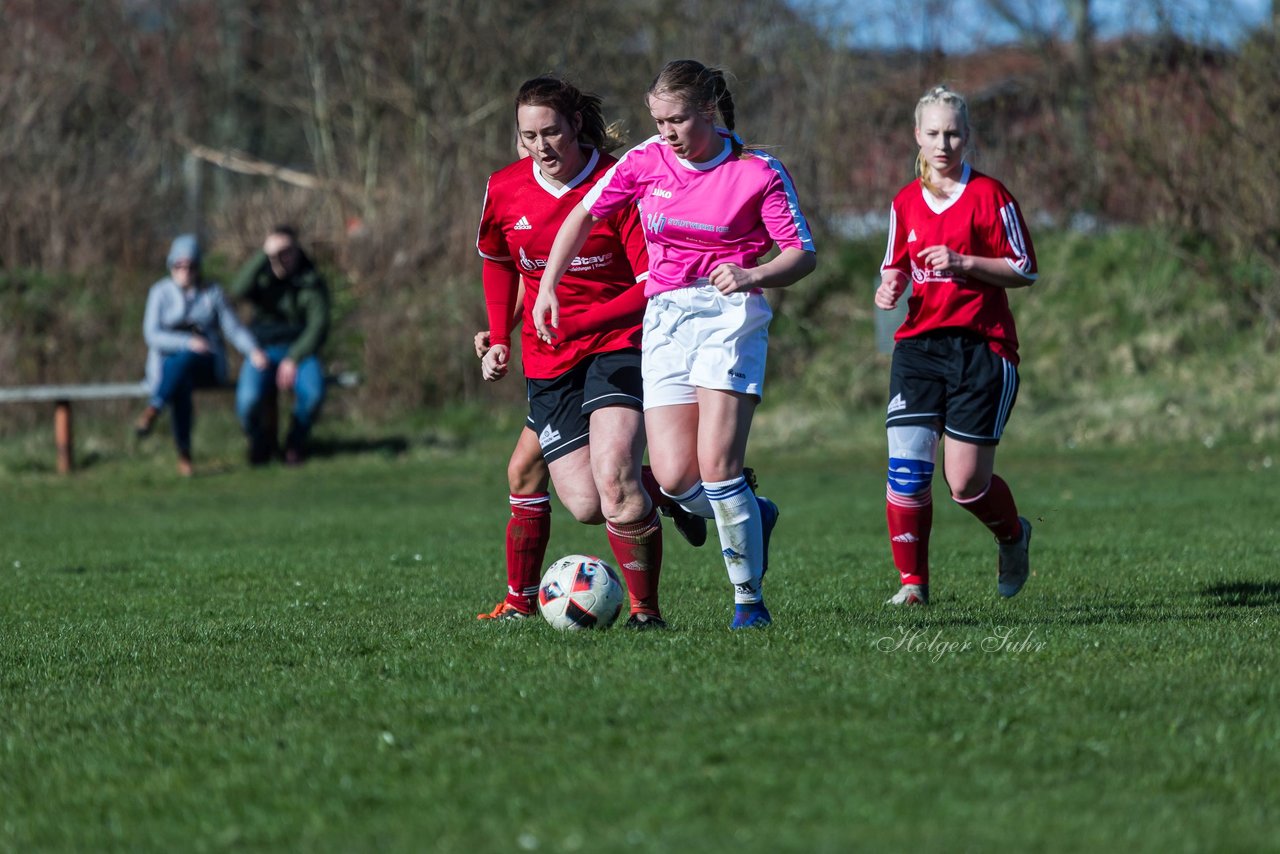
289 659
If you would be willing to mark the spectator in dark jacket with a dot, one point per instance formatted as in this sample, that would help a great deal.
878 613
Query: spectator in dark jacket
290 321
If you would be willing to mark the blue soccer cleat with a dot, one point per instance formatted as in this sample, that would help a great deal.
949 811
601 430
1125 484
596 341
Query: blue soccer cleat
750 615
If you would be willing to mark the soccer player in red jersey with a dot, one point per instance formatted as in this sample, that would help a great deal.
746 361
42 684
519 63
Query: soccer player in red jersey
959 238
585 392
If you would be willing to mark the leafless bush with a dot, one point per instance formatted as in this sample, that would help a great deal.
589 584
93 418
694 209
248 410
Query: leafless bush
373 126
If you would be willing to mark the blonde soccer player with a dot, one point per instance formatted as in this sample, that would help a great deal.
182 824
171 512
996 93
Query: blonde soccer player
712 209
959 238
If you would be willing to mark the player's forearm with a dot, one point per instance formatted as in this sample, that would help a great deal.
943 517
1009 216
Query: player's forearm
895 277
790 266
994 271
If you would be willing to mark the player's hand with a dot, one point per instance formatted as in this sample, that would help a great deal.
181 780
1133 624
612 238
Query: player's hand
890 291
286 374
259 359
482 343
546 313
198 344
495 363
942 259
732 279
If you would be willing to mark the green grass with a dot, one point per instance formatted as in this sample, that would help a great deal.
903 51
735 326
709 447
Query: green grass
289 659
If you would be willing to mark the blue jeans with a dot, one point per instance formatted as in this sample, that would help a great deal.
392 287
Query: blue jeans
180 374
254 385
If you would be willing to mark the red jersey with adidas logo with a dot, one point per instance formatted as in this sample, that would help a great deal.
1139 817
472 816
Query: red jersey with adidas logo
522 214
982 218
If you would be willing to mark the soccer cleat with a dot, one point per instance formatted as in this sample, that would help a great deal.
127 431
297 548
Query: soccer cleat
642 622
185 468
750 615
1015 563
910 594
691 526
505 612
769 514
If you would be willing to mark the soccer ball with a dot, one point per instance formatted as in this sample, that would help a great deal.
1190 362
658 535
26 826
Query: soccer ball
580 592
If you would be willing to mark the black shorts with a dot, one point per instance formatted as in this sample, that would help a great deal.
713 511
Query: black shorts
953 380
560 408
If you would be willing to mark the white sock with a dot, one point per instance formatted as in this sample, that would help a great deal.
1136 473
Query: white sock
694 499
741 535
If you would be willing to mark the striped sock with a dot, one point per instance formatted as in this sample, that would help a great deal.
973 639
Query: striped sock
528 533
637 546
910 519
737 516
996 509
694 499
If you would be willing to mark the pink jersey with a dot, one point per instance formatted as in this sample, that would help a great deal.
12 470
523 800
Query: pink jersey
696 216
982 219
522 214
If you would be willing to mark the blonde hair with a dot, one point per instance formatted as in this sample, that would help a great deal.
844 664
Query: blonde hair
940 94
702 88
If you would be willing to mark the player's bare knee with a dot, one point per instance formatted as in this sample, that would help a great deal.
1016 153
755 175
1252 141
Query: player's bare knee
526 477
630 507
586 512
969 488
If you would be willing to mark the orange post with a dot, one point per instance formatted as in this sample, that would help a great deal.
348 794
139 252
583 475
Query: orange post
63 437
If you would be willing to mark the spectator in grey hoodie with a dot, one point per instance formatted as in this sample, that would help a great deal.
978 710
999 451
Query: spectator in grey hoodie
185 323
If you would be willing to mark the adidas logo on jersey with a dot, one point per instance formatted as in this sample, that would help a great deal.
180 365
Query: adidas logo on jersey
897 403
522 224
911 238
547 436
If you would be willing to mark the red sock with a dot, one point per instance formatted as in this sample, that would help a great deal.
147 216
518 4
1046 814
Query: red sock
528 533
638 550
910 520
650 484
996 509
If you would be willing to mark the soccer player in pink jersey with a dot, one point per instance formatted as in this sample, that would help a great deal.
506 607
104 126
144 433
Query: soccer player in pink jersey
959 238
712 209
585 395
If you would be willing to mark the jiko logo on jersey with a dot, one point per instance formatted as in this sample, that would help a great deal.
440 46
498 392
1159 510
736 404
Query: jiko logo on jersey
658 191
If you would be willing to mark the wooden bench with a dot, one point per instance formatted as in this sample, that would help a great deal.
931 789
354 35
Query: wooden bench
62 397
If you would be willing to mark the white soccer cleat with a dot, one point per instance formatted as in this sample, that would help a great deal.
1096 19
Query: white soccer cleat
1015 563
910 594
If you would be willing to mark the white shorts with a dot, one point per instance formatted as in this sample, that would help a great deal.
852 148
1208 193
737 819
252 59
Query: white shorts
696 337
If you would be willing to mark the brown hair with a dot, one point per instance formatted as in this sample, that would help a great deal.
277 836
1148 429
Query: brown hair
940 94
700 87
568 100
